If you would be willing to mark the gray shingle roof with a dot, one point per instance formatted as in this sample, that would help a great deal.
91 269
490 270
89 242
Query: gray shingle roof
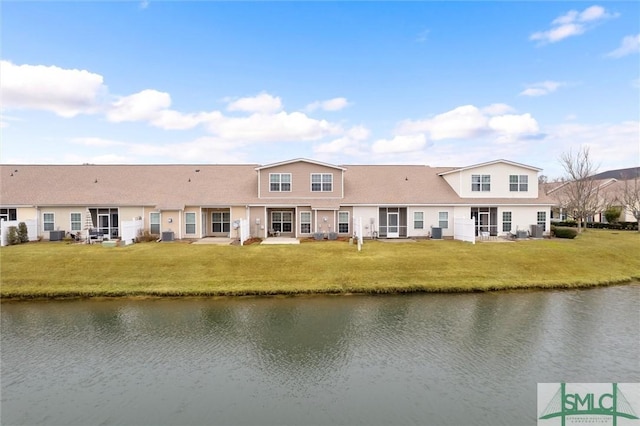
174 186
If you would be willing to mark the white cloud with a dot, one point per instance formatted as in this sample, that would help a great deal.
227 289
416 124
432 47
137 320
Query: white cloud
400 144
349 144
278 127
334 104
614 145
141 106
542 88
66 92
462 122
629 45
152 106
510 127
96 142
572 23
469 122
497 109
263 103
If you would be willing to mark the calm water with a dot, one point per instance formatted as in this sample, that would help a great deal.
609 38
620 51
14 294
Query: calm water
428 359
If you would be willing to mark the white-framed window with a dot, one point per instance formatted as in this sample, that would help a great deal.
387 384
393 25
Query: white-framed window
190 223
481 183
221 221
321 182
443 220
282 221
305 222
49 221
343 222
76 221
542 220
506 222
154 223
279 182
518 183
8 214
418 220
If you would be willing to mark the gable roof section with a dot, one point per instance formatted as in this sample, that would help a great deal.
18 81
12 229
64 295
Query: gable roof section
619 174
299 160
127 185
172 186
513 163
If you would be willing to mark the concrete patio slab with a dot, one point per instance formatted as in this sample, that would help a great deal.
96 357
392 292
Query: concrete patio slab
280 240
222 241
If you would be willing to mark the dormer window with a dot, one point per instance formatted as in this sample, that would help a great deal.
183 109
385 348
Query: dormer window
321 182
280 182
480 183
518 183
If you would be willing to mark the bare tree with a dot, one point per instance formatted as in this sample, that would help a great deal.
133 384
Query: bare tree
630 197
579 193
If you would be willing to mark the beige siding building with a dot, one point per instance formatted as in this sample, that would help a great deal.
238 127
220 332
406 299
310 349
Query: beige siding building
296 198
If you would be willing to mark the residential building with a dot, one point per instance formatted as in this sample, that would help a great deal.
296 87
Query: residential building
295 198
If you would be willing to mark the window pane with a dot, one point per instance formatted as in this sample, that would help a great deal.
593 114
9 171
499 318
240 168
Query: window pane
443 220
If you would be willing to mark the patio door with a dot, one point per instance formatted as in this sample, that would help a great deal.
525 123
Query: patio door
393 228
220 224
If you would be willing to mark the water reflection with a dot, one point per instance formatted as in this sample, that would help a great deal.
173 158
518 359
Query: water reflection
412 359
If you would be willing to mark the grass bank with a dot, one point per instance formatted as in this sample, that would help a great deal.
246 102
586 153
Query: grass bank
39 270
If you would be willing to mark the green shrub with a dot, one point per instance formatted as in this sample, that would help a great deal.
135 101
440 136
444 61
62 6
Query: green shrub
146 236
12 236
23 232
612 214
563 232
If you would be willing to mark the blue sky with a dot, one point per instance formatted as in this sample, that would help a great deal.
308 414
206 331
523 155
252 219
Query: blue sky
437 83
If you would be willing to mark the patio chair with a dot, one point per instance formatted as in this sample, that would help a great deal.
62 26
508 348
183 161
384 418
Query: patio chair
95 236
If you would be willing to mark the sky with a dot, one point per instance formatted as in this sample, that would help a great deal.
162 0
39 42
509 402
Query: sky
207 82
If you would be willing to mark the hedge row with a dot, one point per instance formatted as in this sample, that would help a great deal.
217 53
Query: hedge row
623 226
564 232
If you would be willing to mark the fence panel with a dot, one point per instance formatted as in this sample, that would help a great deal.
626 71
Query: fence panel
32 229
130 230
464 229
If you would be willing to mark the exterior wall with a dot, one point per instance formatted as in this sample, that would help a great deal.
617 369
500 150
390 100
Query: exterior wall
326 220
27 213
300 181
499 172
171 221
62 219
369 217
522 217
431 220
237 213
258 221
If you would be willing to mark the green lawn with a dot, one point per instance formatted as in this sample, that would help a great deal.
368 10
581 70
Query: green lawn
174 269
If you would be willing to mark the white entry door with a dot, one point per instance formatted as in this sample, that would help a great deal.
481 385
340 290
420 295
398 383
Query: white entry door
393 230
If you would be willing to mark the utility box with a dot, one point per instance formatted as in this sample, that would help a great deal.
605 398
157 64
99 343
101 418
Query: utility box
56 235
436 233
536 231
521 234
167 236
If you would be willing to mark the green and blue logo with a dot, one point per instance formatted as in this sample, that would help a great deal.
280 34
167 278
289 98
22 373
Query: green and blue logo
588 404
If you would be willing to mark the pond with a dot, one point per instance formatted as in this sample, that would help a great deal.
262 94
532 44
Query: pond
442 359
